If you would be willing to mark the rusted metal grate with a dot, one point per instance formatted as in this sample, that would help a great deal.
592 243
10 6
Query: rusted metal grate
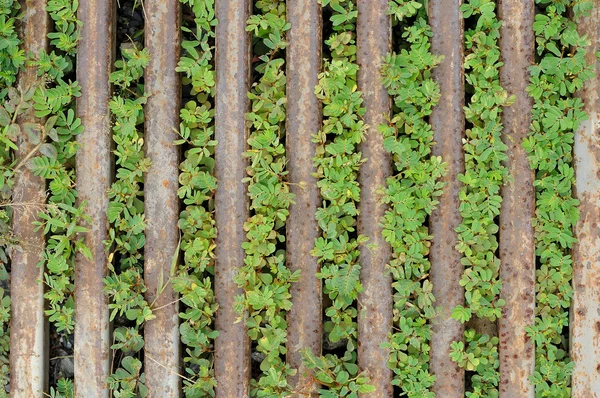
233 64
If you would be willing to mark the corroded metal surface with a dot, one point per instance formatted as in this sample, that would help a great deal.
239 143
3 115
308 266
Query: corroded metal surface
232 346
305 328
585 316
161 203
375 302
517 245
94 64
447 121
28 348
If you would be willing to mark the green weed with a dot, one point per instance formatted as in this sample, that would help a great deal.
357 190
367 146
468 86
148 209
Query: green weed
411 194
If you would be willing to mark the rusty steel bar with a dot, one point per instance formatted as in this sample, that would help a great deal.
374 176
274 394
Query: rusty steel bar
374 41
305 329
517 245
92 326
28 345
232 346
162 35
448 123
585 315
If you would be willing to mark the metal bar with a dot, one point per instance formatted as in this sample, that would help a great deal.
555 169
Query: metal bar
28 345
374 41
232 346
448 123
517 246
305 329
94 170
161 202
585 315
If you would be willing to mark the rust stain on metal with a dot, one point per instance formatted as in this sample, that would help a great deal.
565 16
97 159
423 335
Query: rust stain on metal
448 123
161 203
28 348
375 302
585 315
94 64
304 118
232 346
517 245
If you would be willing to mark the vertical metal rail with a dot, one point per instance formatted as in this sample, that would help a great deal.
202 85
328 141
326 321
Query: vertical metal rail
517 246
375 302
28 347
162 37
93 172
232 346
448 123
305 329
585 316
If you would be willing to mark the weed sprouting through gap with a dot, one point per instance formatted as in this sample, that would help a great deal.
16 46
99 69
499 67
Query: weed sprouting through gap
337 163
411 194
195 276
559 72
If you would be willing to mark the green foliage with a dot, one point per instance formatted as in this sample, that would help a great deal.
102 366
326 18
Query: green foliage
66 25
411 195
340 375
264 277
480 198
18 100
61 221
128 381
51 99
402 9
125 284
12 59
64 389
480 357
561 70
197 187
337 163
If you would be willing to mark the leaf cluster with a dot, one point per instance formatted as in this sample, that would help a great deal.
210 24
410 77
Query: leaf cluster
55 140
337 163
66 31
194 278
64 389
12 59
124 285
264 277
340 377
561 70
12 56
52 134
60 219
480 199
411 194
480 356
